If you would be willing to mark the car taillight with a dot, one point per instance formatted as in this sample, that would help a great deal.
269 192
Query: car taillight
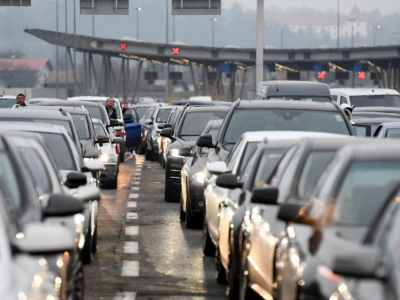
117 149
120 132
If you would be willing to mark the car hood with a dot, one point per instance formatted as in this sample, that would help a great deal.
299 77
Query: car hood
180 144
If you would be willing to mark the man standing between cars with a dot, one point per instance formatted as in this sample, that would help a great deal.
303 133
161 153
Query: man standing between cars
21 100
112 113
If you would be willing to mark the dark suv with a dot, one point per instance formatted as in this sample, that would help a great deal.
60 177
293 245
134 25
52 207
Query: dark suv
186 133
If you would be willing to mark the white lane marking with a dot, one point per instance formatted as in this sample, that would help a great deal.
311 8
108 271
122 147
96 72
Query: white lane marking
135 188
130 268
132 230
133 196
138 174
131 247
137 178
132 204
125 296
132 216
135 182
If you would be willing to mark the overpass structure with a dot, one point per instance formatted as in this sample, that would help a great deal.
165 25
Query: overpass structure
384 62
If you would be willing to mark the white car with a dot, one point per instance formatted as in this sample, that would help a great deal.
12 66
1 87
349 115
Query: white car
366 97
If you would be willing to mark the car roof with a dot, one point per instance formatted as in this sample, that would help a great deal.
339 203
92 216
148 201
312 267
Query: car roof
36 127
380 150
71 103
45 99
379 109
75 110
33 112
206 108
288 104
391 125
373 120
91 98
258 136
295 88
364 91
198 103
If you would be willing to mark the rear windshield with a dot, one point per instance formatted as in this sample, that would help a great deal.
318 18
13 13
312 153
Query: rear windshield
7 103
60 150
195 122
244 120
163 115
82 126
376 100
302 98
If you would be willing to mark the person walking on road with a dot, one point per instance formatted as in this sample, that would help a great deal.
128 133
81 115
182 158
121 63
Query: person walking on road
111 112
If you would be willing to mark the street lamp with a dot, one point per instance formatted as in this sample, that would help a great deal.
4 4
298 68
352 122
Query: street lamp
375 28
213 20
352 30
282 31
138 9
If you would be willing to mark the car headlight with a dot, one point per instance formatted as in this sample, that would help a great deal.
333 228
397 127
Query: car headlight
105 157
175 152
199 177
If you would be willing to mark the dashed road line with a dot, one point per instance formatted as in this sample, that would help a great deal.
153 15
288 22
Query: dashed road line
132 230
131 247
135 182
132 216
132 204
133 196
130 268
135 188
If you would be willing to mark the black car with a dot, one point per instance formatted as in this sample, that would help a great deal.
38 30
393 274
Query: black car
347 197
273 115
164 142
192 197
186 133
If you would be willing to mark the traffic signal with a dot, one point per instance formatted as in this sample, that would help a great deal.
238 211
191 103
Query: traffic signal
122 46
321 75
361 75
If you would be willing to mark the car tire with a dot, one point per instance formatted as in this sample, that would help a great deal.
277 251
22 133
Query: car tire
163 163
181 212
78 279
220 273
168 197
208 246
245 293
191 221
114 183
232 290
94 244
87 249
148 155
160 158
122 153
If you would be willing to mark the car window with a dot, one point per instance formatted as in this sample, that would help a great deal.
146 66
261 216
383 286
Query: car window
361 130
393 133
234 154
269 160
163 114
36 169
301 98
276 174
248 152
99 129
195 122
7 102
141 111
60 150
283 120
9 181
172 119
343 100
363 190
334 98
312 169
95 112
82 126
376 100
116 106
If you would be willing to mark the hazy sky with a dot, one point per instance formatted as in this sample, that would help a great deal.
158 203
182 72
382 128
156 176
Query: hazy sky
385 6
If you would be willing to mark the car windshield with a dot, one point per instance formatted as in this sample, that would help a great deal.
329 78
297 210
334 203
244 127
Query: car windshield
60 150
393 134
365 186
141 111
7 102
195 122
268 162
315 164
163 115
94 112
9 182
82 126
302 98
376 100
246 156
244 120
99 129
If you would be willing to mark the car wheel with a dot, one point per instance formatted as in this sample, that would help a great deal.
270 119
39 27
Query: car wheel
87 249
114 183
208 246
94 244
77 292
220 273
148 155
122 153
232 290
191 221
181 212
244 291
160 158
163 163
167 192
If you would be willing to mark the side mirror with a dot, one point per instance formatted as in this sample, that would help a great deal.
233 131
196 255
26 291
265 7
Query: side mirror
185 151
205 141
161 126
166 132
94 165
88 193
62 205
265 195
148 122
102 139
295 213
92 153
217 168
75 179
118 140
40 238
114 122
167 126
228 181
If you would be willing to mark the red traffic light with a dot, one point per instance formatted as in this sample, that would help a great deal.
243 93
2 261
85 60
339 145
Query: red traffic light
122 46
361 75
321 75
176 50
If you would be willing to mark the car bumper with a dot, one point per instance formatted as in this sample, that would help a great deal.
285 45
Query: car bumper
109 173
196 195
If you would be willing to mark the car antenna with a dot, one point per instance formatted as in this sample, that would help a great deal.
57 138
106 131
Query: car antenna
277 86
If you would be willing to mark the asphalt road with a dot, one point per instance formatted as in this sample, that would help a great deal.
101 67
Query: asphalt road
144 251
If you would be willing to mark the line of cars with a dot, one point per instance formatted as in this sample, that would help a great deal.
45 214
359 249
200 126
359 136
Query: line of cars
293 205
54 157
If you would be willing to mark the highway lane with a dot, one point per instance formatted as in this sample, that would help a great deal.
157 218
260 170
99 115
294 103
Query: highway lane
144 251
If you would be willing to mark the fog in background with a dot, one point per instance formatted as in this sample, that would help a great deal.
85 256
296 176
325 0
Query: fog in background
235 27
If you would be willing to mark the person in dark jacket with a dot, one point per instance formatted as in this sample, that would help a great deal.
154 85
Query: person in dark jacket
111 112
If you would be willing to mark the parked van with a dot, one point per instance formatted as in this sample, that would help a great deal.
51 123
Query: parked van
366 97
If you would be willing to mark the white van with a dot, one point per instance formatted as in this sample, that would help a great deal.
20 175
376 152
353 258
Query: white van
366 97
